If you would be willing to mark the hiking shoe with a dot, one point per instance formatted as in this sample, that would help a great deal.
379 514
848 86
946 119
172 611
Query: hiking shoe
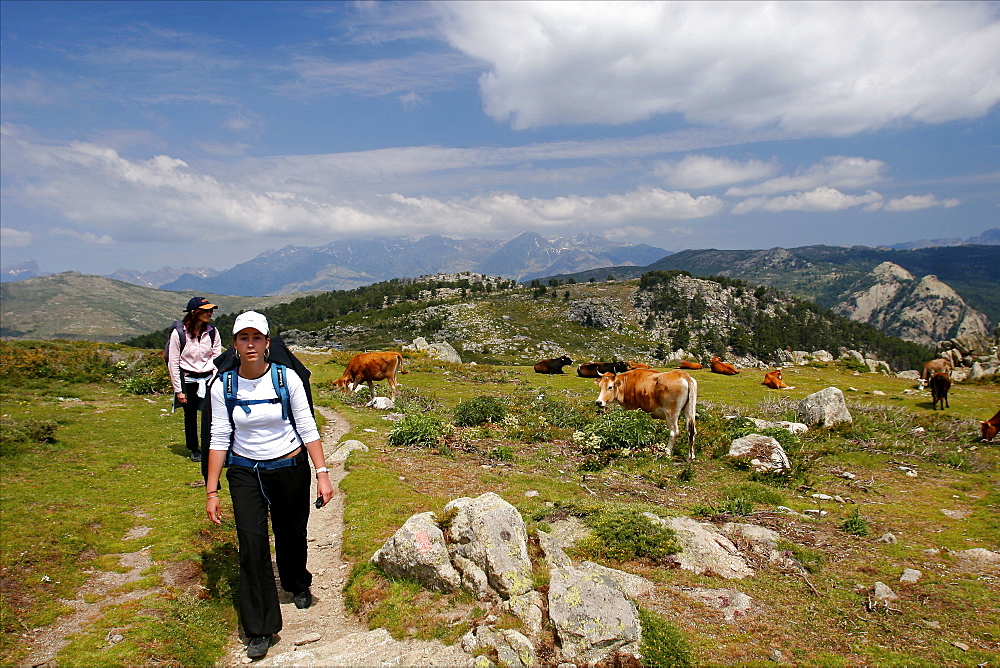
257 647
303 599
196 455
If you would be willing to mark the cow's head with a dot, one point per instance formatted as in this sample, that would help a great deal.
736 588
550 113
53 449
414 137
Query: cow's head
609 384
343 384
987 431
716 359
565 360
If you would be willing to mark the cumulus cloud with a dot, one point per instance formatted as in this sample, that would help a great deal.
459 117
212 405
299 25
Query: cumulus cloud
808 68
820 199
917 202
703 171
833 172
85 237
12 238
166 198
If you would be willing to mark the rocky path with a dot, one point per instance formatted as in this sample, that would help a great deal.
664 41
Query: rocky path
326 634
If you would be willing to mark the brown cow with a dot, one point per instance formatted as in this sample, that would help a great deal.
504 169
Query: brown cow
595 369
632 366
989 428
773 380
940 365
662 394
369 367
690 365
552 366
718 366
940 383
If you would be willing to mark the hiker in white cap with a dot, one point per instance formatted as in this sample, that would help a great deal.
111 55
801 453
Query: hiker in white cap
263 427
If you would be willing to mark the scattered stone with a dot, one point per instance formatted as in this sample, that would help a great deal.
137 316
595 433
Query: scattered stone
825 408
512 648
910 575
888 538
763 453
791 427
931 624
730 602
882 592
822 497
815 511
955 514
381 403
344 448
705 550
307 639
777 656
961 645
531 493
839 499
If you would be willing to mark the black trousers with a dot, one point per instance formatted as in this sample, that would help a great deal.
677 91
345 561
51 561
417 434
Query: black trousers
191 410
284 494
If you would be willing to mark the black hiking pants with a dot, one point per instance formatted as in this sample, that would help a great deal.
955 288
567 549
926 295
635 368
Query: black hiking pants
284 494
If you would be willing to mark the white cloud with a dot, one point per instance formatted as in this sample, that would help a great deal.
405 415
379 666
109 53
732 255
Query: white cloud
164 198
917 202
703 171
820 199
12 238
85 237
833 172
808 68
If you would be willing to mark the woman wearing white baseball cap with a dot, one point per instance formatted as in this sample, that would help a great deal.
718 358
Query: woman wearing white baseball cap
262 420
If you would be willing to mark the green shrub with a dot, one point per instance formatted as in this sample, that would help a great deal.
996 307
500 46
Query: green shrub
479 411
142 374
811 560
852 364
855 524
421 429
625 533
74 362
662 645
502 453
756 493
18 434
620 431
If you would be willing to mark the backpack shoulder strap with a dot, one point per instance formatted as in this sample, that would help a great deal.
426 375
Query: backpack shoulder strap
278 374
181 334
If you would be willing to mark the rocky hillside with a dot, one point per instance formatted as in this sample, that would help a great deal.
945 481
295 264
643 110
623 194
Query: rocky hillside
923 310
94 308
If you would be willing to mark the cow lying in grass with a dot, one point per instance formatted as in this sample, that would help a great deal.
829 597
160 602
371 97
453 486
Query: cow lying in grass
662 394
773 380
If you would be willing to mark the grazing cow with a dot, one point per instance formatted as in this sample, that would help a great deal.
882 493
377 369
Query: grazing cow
773 380
662 394
940 383
690 365
369 367
595 369
632 366
552 366
940 365
718 366
989 428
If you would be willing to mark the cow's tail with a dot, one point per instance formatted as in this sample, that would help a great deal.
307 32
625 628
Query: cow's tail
399 364
690 412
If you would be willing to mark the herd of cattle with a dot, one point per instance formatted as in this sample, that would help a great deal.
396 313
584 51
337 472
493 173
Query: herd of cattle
665 395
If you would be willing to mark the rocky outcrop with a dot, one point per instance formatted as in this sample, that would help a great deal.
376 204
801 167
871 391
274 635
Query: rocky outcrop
441 350
764 454
923 310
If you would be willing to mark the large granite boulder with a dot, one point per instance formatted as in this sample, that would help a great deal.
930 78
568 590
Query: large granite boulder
764 454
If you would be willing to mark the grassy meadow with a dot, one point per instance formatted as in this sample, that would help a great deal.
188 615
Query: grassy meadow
95 487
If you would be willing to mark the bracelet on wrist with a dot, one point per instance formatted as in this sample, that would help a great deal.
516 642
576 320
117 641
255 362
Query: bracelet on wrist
322 469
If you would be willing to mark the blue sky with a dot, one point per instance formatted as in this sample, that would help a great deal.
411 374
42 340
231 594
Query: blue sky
151 134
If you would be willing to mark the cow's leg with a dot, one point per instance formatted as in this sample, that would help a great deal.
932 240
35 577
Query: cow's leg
690 412
672 419
392 386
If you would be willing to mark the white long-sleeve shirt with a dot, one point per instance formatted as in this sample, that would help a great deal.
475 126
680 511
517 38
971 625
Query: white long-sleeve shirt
196 356
262 434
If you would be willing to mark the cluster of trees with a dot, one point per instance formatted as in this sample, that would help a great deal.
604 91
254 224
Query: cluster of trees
754 329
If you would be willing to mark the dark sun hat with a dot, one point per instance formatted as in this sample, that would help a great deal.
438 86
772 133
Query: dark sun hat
199 302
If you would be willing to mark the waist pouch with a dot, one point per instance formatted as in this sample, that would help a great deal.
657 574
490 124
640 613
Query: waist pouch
267 464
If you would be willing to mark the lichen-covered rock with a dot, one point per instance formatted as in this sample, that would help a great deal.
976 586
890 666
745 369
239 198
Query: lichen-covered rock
826 408
441 350
473 578
706 551
527 608
418 550
759 540
490 533
763 453
790 427
513 649
633 586
592 618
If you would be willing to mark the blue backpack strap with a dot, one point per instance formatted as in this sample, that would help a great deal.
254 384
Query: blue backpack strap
278 381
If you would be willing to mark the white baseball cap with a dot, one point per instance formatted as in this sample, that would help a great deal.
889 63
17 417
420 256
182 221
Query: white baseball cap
252 320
